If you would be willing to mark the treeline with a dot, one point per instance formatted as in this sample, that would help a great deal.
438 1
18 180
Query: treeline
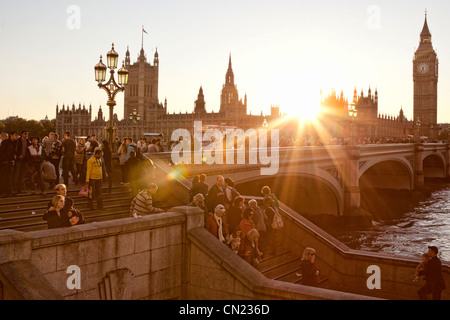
35 128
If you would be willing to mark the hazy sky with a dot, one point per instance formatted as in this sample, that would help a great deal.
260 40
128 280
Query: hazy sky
283 52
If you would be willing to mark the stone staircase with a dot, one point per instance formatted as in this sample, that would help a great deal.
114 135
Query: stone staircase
280 264
24 212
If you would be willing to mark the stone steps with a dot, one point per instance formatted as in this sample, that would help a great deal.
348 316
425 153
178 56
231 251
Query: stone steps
24 212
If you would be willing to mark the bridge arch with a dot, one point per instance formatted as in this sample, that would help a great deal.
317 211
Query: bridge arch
434 165
387 173
309 194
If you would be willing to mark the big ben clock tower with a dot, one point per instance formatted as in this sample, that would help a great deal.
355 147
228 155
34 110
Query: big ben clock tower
425 75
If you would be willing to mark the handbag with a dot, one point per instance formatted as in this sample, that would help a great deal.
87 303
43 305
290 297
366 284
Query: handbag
277 222
84 192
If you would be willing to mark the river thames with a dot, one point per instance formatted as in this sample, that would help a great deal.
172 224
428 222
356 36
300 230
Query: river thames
419 223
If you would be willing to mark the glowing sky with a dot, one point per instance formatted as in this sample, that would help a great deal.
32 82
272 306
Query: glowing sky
283 52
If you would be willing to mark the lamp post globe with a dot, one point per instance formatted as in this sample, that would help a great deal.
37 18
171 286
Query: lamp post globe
123 75
100 71
112 58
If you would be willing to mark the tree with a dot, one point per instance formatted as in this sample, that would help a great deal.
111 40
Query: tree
443 136
35 128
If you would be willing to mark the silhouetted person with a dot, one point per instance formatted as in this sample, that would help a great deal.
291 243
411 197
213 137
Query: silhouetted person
108 161
68 148
433 276
200 187
216 194
132 167
7 160
20 166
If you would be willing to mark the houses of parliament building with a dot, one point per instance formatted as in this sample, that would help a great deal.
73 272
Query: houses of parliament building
141 98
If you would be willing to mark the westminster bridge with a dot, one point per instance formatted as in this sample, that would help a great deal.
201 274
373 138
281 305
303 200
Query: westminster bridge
329 181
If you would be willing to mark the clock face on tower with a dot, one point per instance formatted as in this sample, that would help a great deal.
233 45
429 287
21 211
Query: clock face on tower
423 68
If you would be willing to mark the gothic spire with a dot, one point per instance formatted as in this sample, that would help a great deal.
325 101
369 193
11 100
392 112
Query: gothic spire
229 79
425 30
425 35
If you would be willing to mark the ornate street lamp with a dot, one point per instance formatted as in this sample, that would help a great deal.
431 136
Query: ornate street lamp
111 87
418 125
135 117
353 113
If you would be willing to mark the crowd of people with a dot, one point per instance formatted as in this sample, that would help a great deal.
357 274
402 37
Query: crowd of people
242 225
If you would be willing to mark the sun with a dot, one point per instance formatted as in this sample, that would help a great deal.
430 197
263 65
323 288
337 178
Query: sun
297 93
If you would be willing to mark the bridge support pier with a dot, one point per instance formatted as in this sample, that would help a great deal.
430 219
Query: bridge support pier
353 214
419 179
447 162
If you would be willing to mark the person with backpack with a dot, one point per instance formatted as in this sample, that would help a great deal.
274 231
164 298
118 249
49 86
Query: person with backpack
230 192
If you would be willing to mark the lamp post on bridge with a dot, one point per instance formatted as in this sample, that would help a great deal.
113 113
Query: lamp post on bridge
353 113
418 127
111 87
135 117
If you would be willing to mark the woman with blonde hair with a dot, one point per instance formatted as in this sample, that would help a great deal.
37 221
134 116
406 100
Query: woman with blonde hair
56 216
248 249
309 269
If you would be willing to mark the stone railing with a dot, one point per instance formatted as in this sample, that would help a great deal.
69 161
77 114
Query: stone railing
347 269
161 256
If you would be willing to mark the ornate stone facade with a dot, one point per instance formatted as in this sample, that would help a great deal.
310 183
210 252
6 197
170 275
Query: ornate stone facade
141 95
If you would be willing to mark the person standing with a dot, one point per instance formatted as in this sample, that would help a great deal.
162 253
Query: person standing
91 145
122 152
152 147
80 161
142 146
235 213
199 186
35 156
267 193
248 248
55 155
134 173
68 147
230 192
108 161
47 143
216 194
94 175
216 226
258 218
20 165
131 146
309 270
435 283
7 159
